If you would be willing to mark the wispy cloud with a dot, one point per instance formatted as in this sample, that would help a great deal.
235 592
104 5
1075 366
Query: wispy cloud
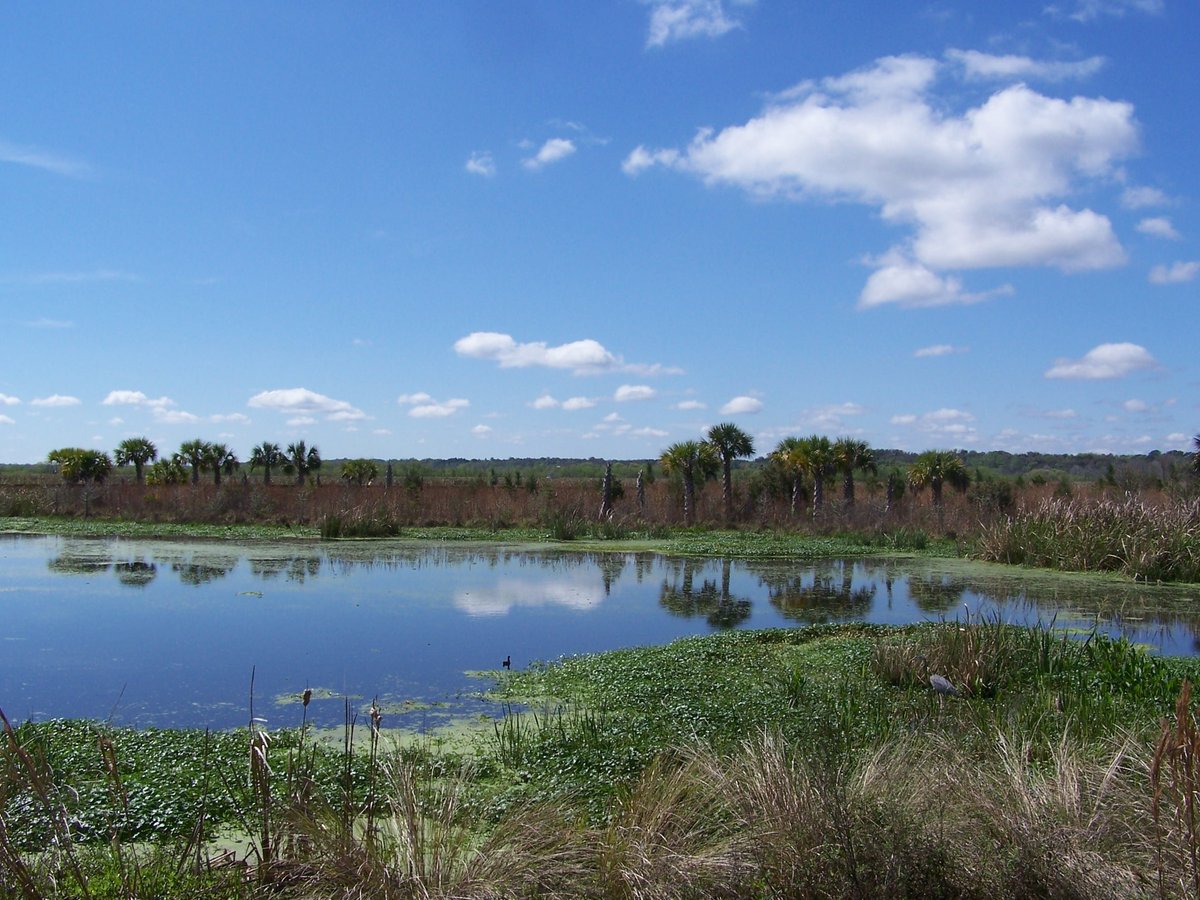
630 392
95 276
1176 273
986 66
1160 227
49 323
680 20
939 350
481 163
1103 362
1092 10
44 160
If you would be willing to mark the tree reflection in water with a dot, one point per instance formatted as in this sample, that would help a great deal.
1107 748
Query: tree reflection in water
826 593
135 573
716 603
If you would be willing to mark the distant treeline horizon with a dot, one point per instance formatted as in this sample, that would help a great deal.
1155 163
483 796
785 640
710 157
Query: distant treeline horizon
1155 464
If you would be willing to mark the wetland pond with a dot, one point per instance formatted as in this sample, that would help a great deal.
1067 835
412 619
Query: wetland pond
169 633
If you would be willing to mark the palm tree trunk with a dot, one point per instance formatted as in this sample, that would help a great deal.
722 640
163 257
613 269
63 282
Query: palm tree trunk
848 489
727 489
689 497
818 494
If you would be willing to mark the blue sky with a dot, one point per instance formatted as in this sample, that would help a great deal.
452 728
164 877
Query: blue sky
593 229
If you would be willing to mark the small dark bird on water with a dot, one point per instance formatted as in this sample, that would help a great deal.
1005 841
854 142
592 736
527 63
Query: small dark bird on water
507 662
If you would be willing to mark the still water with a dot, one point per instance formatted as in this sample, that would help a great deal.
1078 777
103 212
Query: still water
170 633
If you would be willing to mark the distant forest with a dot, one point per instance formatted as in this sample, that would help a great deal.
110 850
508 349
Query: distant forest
1133 470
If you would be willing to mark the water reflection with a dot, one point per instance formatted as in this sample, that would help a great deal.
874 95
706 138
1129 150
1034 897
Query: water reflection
166 633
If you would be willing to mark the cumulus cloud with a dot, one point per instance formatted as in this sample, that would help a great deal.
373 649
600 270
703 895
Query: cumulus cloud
554 150
680 20
6 400
1135 406
1104 361
545 402
938 350
135 398
481 164
174 416
1176 273
690 404
627 392
573 404
985 66
649 432
7 420
56 400
741 405
1159 226
951 424
301 421
423 406
481 430
306 402
581 356
980 187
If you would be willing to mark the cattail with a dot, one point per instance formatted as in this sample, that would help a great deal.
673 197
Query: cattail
306 697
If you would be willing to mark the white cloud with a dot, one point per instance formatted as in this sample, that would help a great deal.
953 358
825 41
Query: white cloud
649 432
573 404
234 418
1135 406
640 159
545 402
1060 414
1091 10
301 421
554 150
980 187
1176 273
7 420
174 416
481 164
1177 438
304 401
1143 197
55 400
428 408
741 405
135 398
678 20
581 356
481 430
911 285
1159 226
938 350
690 404
6 400
40 159
627 392
985 66
419 397
1104 361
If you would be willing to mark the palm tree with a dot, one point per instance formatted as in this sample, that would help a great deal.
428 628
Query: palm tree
790 455
730 443
360 471
220 459
79 466
690 460
302 459
935 467
850 454
267 456
135 452
195 453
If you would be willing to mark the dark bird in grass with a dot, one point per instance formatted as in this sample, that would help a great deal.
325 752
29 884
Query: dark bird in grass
939 684
507 662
